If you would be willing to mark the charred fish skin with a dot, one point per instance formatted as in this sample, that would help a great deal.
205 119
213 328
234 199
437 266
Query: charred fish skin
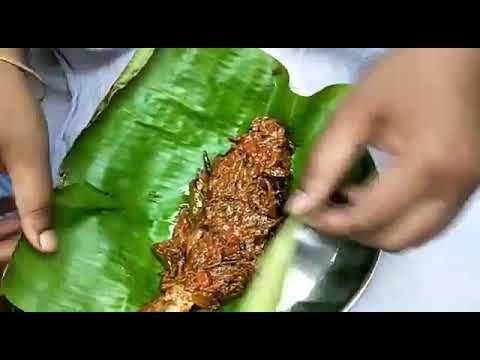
235 207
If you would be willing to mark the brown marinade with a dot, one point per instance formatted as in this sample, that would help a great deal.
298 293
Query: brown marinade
235 206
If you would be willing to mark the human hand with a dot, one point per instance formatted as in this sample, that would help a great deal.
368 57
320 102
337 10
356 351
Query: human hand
10 230
423 107
24 157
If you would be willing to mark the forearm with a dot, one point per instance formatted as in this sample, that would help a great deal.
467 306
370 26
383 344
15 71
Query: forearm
12 61
15 54
13 68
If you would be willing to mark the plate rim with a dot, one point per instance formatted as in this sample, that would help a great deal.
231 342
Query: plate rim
365 283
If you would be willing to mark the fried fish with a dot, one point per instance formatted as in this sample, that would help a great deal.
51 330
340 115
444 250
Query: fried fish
235 206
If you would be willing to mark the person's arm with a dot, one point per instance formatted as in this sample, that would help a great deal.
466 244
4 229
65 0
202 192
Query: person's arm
15 54
422 106
24 157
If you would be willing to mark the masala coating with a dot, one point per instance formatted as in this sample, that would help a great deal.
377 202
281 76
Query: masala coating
235 206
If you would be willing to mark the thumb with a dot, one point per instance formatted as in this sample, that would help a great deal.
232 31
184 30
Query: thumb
333 155
26 161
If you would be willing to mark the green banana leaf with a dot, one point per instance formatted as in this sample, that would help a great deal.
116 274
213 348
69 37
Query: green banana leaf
265 289
128 173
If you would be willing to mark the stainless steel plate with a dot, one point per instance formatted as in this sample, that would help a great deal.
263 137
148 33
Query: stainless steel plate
327 275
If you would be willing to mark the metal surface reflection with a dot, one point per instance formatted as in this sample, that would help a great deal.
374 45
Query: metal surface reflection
326 274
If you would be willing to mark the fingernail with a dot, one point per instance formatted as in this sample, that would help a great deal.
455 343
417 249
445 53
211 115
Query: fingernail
48 241
299 203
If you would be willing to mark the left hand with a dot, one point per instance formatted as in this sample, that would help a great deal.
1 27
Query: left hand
10 230
24 157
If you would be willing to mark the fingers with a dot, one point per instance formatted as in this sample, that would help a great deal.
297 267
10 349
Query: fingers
25 156
7 247
32 186
6 205
402 210
416 227
380 203
9 232
9 227
333 155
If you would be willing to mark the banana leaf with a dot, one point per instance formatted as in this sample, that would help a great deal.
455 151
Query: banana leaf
128 173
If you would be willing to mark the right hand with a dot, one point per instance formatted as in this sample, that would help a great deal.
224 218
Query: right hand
24 157
422 106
